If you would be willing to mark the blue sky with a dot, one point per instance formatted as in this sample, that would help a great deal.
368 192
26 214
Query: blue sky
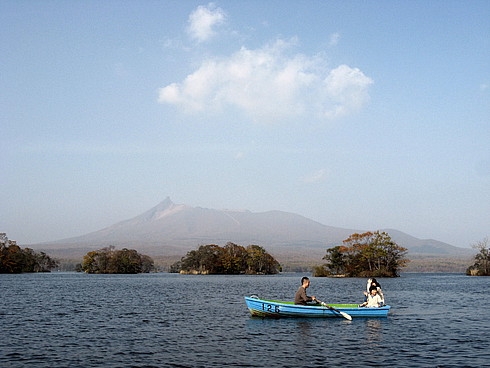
356 114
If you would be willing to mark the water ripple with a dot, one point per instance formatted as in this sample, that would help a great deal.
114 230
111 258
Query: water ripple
162 320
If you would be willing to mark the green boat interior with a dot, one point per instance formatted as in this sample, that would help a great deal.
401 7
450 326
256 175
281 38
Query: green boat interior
334 305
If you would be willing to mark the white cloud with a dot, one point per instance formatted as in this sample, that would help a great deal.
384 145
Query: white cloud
270 84
334 39
203 20
346 90
315 177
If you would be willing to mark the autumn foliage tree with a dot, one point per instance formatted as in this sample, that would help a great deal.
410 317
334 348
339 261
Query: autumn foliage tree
231 259
259 261
14 259
481 267
371 254
110 260
205 259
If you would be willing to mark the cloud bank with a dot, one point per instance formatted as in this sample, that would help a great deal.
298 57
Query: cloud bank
268 84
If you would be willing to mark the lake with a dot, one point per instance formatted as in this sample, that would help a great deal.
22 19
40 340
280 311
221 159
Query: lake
170 320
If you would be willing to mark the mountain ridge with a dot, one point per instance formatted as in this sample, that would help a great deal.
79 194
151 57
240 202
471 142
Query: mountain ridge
174 229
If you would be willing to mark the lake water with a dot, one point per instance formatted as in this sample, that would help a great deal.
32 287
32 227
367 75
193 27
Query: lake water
170 320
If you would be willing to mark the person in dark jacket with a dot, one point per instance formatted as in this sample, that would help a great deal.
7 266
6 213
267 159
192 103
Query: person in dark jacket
301 297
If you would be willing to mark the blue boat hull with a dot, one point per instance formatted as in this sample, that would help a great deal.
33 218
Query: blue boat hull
280 309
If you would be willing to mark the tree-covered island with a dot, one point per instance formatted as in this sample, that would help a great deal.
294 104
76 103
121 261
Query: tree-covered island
110 260
14 259
481 267
232 259
371 254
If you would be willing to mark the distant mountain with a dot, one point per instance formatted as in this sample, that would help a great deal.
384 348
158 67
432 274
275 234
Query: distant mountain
426 246
171 229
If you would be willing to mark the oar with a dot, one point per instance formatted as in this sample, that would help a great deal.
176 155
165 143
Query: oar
343 314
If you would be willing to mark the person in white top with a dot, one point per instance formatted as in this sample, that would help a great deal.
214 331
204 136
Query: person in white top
373 300
373 283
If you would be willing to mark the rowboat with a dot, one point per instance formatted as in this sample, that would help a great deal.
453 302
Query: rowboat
280 309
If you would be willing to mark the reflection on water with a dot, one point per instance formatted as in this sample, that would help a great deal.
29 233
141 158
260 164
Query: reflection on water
373 331
304 332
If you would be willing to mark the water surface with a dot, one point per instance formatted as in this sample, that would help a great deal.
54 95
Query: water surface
169 320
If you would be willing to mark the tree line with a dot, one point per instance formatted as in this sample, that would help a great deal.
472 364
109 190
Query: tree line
14 259
230 259
370 254
481 267
110 260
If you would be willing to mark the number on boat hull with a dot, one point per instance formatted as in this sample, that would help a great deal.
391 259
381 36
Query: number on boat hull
270 308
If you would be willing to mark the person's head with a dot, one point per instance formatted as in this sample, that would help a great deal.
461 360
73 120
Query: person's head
305 281
373 291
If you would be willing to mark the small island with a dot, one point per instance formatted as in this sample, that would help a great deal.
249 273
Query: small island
371 254
110 260
14 259
232 259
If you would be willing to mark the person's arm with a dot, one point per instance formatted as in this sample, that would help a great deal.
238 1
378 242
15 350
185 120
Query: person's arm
311 299
305 297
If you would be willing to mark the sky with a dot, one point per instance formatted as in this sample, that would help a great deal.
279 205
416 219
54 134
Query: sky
356 114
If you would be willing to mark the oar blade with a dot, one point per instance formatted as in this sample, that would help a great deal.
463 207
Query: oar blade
346 316
343 314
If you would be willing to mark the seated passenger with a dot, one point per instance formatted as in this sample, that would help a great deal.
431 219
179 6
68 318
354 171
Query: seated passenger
373 299
374 283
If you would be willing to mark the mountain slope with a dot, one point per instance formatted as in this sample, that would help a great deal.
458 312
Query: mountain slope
174 229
